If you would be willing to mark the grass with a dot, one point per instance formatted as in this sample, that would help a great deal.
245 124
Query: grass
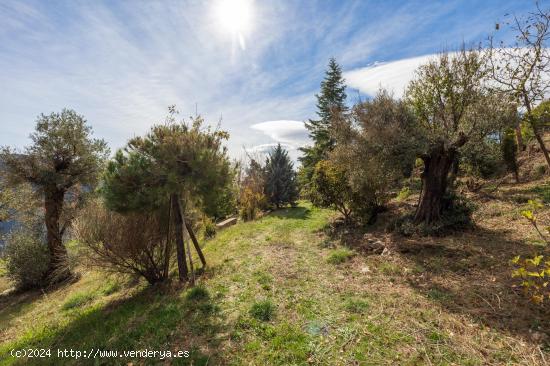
339 256
263 310
78 300
269 297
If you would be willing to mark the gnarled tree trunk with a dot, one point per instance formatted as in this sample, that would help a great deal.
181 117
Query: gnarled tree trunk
53 207
437 164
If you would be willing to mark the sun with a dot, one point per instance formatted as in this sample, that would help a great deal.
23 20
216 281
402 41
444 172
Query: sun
235 16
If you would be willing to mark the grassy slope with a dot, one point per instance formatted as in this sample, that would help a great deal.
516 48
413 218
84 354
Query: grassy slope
333 306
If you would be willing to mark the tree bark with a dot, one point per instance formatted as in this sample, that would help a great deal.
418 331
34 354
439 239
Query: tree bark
180 247
53 206
195 243
519 138
434 184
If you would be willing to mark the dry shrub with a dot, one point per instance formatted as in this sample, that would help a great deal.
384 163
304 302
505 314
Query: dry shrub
135 243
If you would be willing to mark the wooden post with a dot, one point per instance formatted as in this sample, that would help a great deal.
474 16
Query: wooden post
195 243
192 269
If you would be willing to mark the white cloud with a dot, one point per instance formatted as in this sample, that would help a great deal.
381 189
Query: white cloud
393 76
292 133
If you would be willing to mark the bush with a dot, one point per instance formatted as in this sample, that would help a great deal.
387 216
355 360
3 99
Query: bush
403 194
27 259
135 243
263 310
209 228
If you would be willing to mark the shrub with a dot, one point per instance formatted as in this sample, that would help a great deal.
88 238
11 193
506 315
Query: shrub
330 188
534 274
134 243
27 259
540 171
209 228
263 310
403 194
252 198
340 256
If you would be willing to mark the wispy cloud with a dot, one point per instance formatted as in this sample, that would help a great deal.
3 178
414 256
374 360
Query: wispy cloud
392 76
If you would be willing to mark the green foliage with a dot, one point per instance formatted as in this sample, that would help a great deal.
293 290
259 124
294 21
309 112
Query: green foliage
62 159
448 117
27 259
339 256
374 149
541 114
263 310
280 178
534 274
330 188
252 198
482 158
403 194
173 157
209 228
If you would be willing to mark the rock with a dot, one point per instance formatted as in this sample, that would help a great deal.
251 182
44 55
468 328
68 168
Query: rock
225 223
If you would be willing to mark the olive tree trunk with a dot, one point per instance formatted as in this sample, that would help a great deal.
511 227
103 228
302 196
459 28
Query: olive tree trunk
437 165
53 206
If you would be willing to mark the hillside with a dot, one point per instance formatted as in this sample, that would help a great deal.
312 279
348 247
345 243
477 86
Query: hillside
434 301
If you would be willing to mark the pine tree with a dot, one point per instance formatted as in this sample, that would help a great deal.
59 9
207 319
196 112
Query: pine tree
330 102
280 178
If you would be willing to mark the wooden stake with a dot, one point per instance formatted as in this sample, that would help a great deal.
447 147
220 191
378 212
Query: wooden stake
195 243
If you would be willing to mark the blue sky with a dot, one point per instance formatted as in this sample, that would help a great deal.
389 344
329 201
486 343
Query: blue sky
121 63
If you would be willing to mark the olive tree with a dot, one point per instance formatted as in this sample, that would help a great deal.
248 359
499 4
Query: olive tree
62 162
452 105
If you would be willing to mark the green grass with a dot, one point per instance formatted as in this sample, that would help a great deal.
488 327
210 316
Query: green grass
78 300
268 297
339 256
542 192
263 310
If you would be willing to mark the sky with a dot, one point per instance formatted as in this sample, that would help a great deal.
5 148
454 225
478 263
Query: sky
253 66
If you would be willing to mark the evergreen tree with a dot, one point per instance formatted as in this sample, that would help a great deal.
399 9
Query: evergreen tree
280 178
331 102
176 164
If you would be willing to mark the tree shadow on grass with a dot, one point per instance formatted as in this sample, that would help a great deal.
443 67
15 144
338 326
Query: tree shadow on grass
470 274
150 320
